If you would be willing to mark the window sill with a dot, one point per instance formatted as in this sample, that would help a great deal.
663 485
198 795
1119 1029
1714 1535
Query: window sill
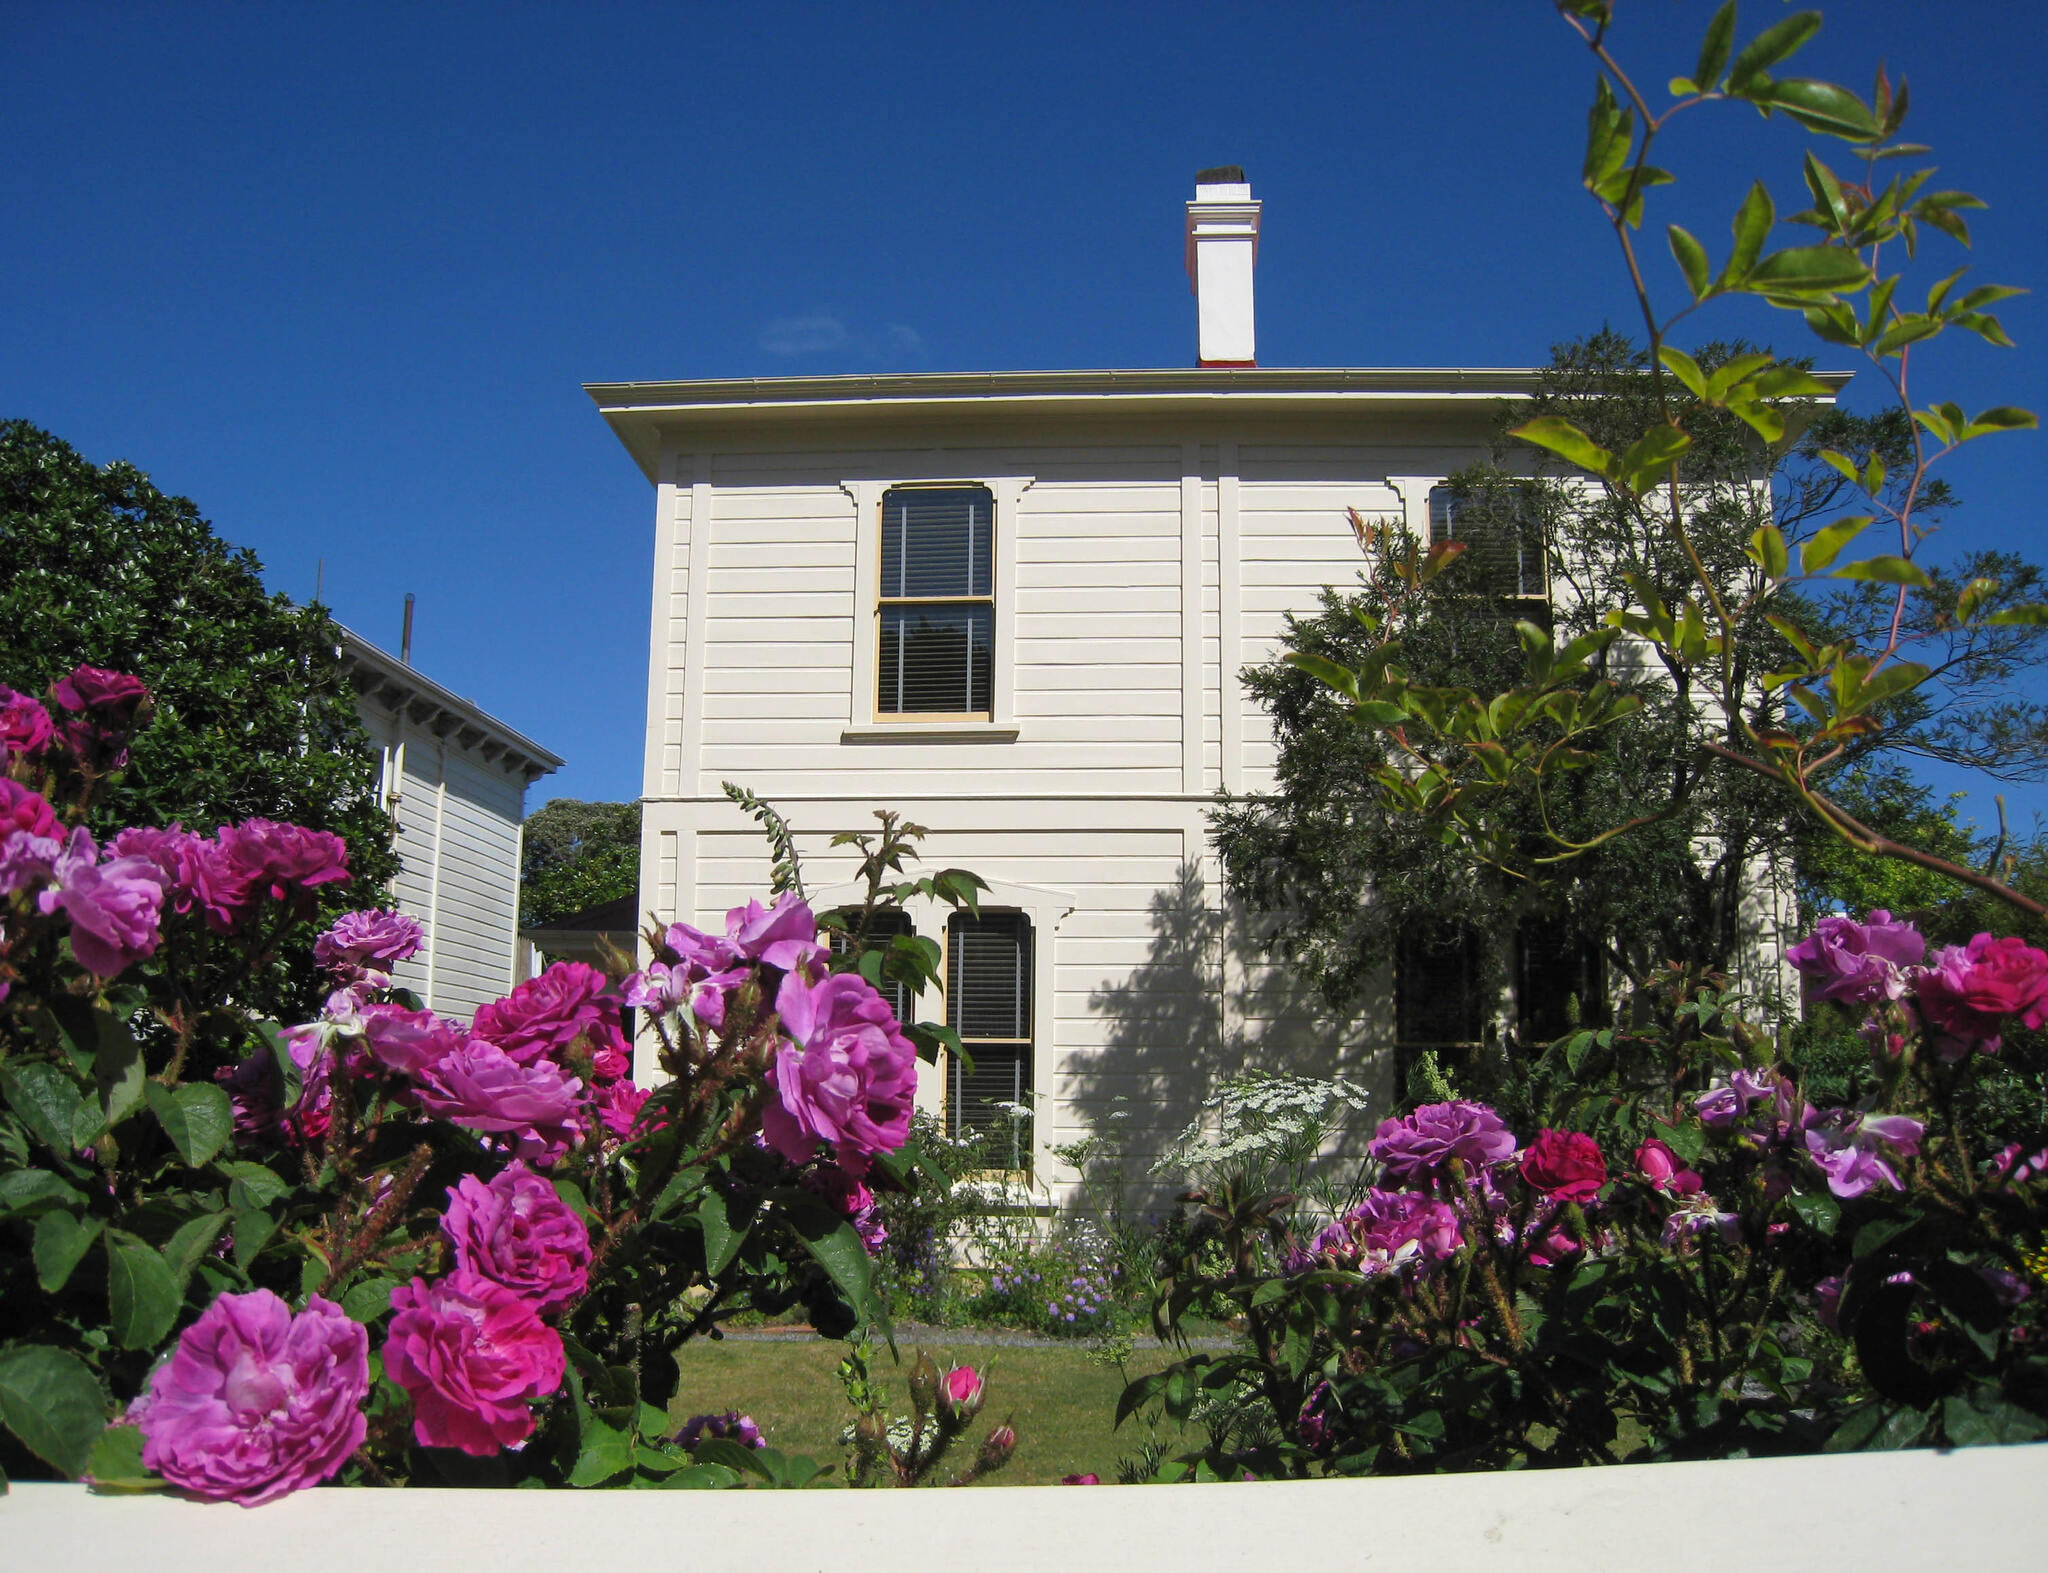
929 732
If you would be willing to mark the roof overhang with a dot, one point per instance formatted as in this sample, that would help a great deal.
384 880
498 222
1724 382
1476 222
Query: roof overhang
379 676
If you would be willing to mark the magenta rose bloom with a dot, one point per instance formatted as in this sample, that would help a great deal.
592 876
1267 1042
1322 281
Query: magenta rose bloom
1857 963
1422 1145
284 859
1565 1164
846 1076
1968 995
517 1232
544 1015
25 726
27 812
473 1356
407 1041
1390 1230
115 908
255 1401
1847 1148
784 935
1664 1171
110 696
370 938
480 1087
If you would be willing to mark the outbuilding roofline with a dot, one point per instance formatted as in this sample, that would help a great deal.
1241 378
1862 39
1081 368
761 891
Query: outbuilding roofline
381 677
639 413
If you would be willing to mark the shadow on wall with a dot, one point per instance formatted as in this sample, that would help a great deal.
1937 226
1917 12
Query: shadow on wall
1168 1047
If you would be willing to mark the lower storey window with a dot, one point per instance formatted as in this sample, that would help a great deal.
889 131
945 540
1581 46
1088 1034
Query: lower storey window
988 1002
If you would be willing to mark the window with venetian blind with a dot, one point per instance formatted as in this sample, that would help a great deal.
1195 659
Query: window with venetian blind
936 602
1502 536
884 924
988 1002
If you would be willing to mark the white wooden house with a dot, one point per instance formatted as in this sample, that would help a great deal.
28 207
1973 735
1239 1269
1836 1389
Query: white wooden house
454 781
1014 606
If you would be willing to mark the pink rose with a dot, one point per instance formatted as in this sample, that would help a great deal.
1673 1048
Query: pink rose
544 1015
1857 963
370 938
1661 1168
1421 1145
112 696
25 726
517 1232
284 858
846 1075
1565 1164
27 812
115 908
784 935
473 1356
1969 993
255 1401
480 1087
407 1041
1392 1230
962 1388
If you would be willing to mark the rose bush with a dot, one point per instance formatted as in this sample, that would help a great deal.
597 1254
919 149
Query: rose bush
211 1220
1769 1274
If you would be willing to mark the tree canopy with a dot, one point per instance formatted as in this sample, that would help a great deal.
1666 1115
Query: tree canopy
577 855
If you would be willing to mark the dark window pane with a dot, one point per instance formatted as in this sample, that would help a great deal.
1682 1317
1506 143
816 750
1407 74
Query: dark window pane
1001 1075
935 660
988 976
1502 536
1436 986
937 541
1552 970
884 923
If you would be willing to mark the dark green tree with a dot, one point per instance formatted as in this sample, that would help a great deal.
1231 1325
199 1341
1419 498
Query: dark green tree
253 717
577 855
1339 876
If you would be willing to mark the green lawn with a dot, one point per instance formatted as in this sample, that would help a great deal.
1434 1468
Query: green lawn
1059 1400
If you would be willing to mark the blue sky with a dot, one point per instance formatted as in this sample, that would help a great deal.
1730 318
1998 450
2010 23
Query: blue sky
338 272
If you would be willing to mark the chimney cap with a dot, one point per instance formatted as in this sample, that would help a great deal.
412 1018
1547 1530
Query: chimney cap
1221 175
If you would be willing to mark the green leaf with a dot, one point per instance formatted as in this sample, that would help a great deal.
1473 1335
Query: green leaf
1650 458
48 1102
736 1456
1380 712
723 1233
1684 368
1816 269
1885 570
1774 43
1818 1210
61 1241
117 1073
253 1230
253 1185
142 1293
115 1464
1752 224
197 1117
1823 107
368 1300
1329 673
49 1400
1827 543
1767 549
2032 615
189 1245
2004 417
835 1246
1692 261
606 1451
1715 46
1565 440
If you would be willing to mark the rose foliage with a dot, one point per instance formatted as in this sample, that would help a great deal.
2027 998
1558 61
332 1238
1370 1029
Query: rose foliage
239 1257
1655 1246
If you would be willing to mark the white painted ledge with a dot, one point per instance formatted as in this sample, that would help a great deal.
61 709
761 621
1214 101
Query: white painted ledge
1981 1508
928 732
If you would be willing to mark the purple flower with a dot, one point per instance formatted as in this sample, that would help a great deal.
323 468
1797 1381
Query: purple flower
480 1087
26 811
407 1041
1393 1230
255 1401
543 1016
1420 1146
1845 1149
705 953
283 859
25 860
25 726
1827 1302
732 1425
686 985
115 908
1312 1425
1721 1107
371 938
1857 963
517 1232
845 1076
784 935
1697 1214
473 1356
848 1196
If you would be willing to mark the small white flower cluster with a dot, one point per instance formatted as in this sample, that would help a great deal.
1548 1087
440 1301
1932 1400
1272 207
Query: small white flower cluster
1260 1114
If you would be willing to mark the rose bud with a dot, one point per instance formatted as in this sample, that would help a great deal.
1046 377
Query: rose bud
963 1392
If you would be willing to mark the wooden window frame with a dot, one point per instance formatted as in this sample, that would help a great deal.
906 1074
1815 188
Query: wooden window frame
868 723
1024 1049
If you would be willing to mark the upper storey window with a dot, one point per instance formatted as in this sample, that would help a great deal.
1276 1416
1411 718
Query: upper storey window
935 651
1502 536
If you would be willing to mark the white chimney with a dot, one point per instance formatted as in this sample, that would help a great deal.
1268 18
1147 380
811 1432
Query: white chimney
1223 248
